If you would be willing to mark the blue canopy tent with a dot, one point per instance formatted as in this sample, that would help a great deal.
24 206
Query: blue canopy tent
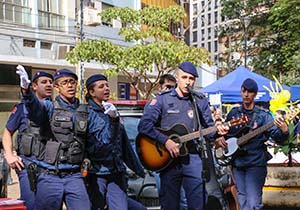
295 92
229 86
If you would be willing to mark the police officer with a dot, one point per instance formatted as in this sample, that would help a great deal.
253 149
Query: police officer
167 109
166 82
108 148
250 166
28 139
59 177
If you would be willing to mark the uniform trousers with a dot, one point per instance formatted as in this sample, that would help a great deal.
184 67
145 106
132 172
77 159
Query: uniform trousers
186 171
108 190
26 194
52 190
249 182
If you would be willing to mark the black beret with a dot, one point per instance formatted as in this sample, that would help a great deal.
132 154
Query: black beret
250 85
64 73
188 67
41 74
94 78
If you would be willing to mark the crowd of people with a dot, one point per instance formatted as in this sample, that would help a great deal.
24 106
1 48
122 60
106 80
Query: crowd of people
76 154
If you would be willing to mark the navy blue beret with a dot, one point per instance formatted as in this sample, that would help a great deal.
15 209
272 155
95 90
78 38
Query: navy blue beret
94 78
188 67
41 74
250 85
64 73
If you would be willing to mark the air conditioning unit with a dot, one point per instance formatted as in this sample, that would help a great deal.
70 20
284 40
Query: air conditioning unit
90 17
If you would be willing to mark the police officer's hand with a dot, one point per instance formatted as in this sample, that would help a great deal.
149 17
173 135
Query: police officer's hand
221 128
110 109
24 80
14 161
172 147
221 142
279 122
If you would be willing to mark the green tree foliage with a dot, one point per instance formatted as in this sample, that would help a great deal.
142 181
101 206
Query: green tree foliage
154 53
273 35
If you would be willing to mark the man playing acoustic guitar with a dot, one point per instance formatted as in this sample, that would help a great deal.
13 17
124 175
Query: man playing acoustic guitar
166 110
249 166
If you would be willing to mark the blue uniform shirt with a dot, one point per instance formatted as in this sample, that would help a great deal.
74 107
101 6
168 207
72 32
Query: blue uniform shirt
255 150
107 144
18 121
168 109
41 114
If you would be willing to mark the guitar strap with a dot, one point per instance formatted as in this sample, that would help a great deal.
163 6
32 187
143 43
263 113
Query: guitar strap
200 143
251 123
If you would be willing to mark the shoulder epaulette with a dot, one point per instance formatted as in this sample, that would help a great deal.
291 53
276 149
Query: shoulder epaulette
83 108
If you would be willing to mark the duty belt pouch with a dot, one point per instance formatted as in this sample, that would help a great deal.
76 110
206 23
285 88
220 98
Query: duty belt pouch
25 146
51 151
75 152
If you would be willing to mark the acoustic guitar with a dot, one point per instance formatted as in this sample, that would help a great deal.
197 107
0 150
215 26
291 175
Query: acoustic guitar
233 144
155 157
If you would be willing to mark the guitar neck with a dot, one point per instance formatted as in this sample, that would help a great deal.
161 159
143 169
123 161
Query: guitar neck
244 139
196 134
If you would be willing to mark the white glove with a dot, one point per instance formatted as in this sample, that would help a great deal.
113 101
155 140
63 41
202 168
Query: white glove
24 80
110 109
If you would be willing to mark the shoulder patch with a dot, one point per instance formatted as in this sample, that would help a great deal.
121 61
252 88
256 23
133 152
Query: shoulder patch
153 102
14 110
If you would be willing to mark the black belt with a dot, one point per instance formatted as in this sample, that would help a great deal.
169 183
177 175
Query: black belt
60 172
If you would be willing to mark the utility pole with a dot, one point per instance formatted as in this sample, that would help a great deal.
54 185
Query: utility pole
80 65
246 22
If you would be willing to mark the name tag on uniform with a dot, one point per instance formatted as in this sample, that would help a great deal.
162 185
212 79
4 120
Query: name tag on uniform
176 111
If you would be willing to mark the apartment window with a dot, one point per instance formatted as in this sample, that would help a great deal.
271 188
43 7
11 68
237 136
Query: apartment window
216 59
202 20
195 23
209 33
202 34
202 44
216 46
46 45
29 43
216 4
195 9
202 4
216 17
195 36
16 11
216 32
209 19
209 46
50 14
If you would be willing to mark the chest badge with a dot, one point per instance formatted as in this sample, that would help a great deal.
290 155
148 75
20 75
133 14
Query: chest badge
190 113
82 125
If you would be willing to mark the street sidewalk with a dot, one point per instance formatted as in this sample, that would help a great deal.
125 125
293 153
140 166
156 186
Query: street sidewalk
13 190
